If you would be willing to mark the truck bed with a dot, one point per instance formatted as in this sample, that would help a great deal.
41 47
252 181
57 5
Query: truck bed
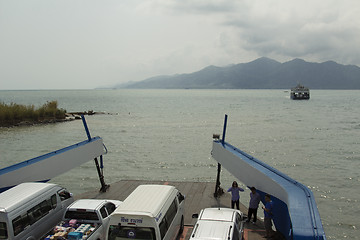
73 230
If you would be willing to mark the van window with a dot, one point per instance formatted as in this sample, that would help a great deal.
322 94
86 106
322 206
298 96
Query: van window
110 207
126 232
163 227
236 234
3 231
238 219
39 211
53 201
33 214
20 223
103 212
168 218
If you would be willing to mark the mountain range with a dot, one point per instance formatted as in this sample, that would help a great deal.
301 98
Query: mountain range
262 73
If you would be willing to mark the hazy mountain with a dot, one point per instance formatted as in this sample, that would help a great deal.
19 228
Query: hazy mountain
263 73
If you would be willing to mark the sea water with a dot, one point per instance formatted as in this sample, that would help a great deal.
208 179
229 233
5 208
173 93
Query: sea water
167 135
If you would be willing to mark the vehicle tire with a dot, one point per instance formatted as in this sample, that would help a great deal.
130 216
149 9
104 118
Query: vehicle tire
181 225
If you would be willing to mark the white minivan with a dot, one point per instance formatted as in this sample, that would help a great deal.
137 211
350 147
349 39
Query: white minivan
152 212
29 210
219 223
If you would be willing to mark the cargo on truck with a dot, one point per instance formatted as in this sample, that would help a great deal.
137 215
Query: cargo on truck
85 219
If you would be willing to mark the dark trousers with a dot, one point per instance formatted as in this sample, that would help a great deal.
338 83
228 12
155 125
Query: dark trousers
233 204
252 211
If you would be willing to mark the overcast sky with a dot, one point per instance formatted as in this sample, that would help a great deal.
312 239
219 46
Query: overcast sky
84 44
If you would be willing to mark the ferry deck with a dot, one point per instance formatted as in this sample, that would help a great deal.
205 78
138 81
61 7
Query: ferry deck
198 195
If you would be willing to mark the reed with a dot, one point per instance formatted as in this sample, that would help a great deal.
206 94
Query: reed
11 114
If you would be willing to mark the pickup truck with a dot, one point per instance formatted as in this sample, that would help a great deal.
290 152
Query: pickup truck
85 219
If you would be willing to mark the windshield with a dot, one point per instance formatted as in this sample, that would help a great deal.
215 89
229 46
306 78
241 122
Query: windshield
125 233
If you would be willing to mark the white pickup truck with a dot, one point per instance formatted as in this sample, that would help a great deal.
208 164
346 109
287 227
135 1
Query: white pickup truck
85 219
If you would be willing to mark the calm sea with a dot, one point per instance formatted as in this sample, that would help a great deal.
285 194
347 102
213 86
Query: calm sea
167 135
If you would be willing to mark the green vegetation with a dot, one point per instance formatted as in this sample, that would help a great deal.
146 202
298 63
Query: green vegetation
13 114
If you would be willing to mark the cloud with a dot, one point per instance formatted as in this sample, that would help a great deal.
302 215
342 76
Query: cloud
77 44
319 30
190 6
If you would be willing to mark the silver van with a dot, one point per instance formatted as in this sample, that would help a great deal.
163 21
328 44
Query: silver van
30 210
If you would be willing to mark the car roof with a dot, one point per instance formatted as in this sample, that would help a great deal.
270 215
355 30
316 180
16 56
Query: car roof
212 230
218 214
91 203
148 199
22 193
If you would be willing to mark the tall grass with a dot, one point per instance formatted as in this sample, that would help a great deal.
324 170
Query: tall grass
14 113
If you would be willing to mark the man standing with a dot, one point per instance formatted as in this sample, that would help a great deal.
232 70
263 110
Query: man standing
268 215
253 204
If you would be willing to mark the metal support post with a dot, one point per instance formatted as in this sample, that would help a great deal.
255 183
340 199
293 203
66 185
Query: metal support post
104 186
218 190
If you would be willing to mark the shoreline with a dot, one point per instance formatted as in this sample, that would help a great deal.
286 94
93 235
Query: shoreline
71 116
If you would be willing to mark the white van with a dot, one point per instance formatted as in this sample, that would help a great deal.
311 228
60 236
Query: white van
219 223
149 212
30 210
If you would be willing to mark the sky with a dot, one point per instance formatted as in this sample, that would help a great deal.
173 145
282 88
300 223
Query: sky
86 44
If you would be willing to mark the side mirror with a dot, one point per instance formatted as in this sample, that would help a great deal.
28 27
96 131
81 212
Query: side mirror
181 197
195 215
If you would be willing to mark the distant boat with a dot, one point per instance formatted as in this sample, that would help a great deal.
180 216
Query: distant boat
300 93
